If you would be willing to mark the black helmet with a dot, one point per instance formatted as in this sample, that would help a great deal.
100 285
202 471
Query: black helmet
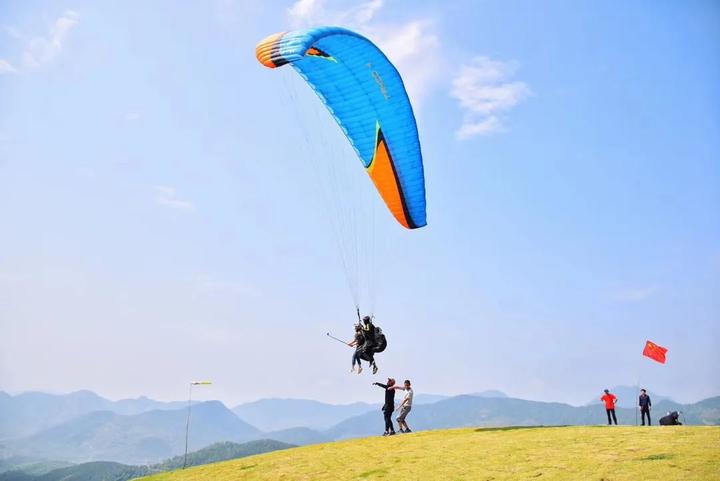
366 319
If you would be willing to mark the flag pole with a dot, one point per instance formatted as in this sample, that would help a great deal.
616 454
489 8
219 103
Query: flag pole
187 423
637 390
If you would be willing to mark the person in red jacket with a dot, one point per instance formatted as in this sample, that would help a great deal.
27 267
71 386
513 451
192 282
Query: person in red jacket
610 400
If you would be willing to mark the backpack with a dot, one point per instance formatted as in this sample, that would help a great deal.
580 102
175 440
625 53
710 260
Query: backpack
380 340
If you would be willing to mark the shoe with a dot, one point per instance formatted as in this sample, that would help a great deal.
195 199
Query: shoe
353 369
359 370
392 433
407 431
401 431
385 434
375 369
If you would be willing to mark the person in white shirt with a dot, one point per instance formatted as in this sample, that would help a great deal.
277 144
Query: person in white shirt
405 406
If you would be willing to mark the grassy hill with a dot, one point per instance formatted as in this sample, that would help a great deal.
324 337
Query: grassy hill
556 453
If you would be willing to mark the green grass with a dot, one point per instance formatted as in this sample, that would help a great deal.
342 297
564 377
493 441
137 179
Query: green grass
560 453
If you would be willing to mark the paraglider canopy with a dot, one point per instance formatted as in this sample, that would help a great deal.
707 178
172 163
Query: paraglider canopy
366 96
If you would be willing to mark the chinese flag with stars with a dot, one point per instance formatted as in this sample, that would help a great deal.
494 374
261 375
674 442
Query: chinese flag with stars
654 352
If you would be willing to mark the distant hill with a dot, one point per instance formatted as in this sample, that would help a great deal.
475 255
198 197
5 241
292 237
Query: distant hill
149 437
280 414
138 439
489 393
462 411
94 471
111 471
222 451
703 413
30 464
31 412
299 436
628 396
271 415
421 398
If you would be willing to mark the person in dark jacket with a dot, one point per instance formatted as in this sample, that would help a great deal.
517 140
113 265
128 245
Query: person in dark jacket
368 348
645 403
389 406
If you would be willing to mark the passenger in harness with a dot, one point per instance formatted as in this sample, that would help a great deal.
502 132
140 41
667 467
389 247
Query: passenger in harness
357 342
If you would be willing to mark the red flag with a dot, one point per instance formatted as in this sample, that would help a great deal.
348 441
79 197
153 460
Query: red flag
654 352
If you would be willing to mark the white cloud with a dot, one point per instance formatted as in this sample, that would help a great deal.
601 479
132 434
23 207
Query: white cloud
485 126
414 49
6 67
167 197
44 49
483 90
412 45
13 32
306 13
634 294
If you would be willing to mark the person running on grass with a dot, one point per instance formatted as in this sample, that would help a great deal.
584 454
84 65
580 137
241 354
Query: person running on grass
357 343
610 401
405 407
389 406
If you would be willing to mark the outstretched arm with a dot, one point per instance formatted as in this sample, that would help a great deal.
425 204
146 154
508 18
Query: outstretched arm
380 384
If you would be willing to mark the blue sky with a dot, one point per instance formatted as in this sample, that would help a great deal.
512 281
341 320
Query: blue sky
160 224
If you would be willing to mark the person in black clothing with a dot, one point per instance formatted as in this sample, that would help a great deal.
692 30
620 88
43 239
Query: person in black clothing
645 403
672 419
389 406
357 343
368 348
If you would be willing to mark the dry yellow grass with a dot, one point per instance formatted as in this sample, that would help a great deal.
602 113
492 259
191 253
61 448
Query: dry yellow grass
560 453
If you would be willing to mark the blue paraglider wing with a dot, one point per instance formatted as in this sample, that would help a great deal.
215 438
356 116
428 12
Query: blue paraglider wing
366 95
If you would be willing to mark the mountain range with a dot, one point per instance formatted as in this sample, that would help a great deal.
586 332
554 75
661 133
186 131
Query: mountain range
141 438
282 414
627 396
30 412
147 437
